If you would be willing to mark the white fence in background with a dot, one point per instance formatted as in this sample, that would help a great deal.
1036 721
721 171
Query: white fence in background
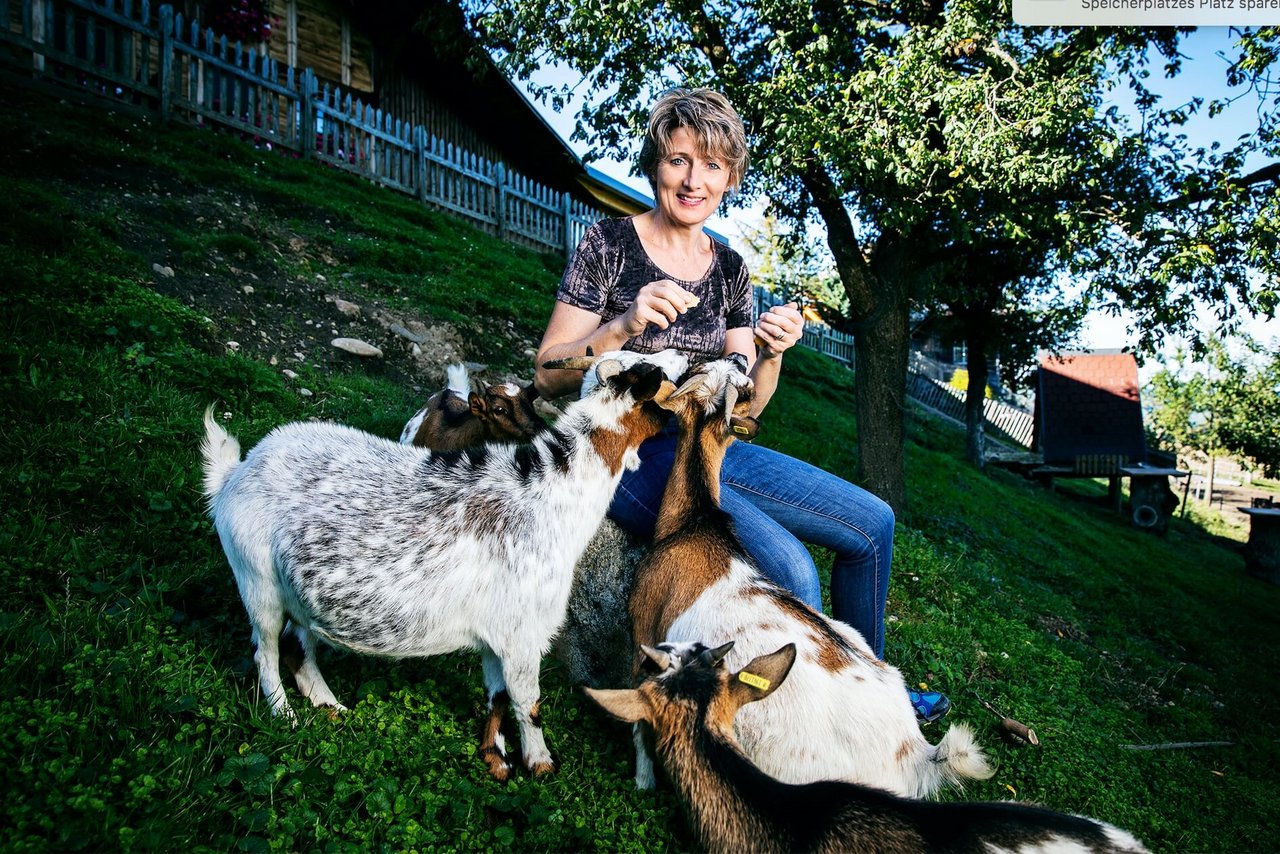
150 57
1004 421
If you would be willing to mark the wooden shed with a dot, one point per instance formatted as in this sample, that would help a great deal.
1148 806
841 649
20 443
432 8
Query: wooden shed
1088 414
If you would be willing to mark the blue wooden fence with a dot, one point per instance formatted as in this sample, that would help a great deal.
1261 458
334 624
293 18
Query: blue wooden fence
151 57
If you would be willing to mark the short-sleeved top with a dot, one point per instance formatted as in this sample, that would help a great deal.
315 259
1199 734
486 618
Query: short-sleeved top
611 266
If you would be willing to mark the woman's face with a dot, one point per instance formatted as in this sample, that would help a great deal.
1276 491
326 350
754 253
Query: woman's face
689 187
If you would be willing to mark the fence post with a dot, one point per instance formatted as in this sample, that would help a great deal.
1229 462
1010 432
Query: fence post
307 125
566 209
499 173
420 161
165 79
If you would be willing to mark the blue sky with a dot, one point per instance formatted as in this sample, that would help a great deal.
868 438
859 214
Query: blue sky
1203 75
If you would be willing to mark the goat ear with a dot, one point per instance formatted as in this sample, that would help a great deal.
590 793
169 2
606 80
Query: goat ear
745 428
478 407
665 392
624 704
715 657
762 676
529 392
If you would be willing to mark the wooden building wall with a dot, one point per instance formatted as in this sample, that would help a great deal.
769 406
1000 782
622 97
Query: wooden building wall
311 34
407 99
322 40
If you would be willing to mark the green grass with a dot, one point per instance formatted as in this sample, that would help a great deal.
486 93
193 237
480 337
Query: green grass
132 713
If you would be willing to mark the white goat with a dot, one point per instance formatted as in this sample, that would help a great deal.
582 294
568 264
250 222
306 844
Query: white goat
735 806
394 550
844 713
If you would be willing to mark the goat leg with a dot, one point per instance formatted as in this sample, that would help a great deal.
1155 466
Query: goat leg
492 744
521 674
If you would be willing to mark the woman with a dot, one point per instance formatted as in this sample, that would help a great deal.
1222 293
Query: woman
656 280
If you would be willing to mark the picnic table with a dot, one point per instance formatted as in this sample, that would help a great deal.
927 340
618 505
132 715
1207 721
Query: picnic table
1262 552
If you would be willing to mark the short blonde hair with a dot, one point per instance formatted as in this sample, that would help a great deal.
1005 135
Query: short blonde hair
710 117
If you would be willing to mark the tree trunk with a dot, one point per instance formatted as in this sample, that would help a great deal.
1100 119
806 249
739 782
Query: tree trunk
881 347
975 398
878 306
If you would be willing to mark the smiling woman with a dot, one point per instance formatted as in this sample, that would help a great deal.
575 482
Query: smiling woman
657 281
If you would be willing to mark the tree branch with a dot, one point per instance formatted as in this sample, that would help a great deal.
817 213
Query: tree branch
1269 174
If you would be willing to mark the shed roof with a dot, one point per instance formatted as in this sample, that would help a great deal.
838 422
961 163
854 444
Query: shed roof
1087 403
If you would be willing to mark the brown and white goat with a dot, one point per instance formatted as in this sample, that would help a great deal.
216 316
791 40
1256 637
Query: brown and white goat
845 713
398 551
457 417
734 806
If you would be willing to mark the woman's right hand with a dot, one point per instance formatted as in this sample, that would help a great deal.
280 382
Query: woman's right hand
659 303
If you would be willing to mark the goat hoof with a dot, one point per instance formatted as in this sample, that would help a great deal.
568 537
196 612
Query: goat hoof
499 768
501 771
542 769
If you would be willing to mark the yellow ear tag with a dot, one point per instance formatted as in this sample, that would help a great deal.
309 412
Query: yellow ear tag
754 681
741 431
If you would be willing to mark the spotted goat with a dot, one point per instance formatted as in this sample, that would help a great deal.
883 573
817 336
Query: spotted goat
845 713
457 417
733 805
392 550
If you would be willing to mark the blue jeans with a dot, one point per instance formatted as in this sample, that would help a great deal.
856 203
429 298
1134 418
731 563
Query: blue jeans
775 502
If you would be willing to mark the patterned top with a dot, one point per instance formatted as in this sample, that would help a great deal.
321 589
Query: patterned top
610 267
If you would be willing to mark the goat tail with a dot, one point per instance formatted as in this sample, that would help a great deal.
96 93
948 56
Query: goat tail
959 757
221 454
458 381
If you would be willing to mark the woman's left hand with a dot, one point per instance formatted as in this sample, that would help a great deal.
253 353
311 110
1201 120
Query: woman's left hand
779 329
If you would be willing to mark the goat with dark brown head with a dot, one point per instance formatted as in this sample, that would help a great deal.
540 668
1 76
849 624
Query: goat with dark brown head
458 417
733 806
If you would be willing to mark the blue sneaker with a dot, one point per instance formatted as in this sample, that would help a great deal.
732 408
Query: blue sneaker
929 705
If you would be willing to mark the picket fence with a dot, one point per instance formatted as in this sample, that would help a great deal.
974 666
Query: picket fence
1003 421
153 58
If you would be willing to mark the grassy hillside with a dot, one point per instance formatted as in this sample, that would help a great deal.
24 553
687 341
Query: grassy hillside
132 716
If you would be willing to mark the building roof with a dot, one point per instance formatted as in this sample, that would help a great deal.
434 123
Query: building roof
613 194
445 57
1087 404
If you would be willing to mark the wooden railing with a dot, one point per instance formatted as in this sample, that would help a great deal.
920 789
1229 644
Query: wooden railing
816 336
153 58
1007 422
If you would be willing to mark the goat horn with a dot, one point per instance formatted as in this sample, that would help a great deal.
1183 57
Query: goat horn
712 657
571 363
608 368
689 385
730 400
657 656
